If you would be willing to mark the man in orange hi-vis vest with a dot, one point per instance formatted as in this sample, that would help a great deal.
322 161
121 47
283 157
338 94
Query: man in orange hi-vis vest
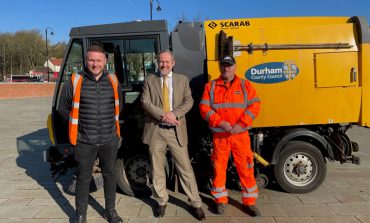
229 105
91 102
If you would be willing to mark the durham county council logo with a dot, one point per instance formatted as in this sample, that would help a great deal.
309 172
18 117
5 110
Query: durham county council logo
273 72
212 25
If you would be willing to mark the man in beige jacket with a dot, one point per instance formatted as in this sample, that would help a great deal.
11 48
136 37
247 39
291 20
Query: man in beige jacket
166 98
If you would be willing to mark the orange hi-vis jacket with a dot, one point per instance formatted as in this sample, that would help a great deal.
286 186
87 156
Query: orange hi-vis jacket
236 104
74 113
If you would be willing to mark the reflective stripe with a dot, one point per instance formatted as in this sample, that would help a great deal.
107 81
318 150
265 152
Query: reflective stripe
253 100
74 121
75 105
211 112
218 189
211 93
245 93
229 105
75 81
250 165
250 114
251 189
114 79
218 195
217 129
246 195
204 102
74 113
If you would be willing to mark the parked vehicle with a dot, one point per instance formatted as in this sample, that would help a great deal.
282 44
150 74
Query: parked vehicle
312 75
25 78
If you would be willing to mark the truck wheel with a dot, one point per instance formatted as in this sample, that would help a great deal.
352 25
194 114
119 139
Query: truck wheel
133 174
262 180
301 167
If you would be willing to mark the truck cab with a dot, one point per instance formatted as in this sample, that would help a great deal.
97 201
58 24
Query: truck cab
131 50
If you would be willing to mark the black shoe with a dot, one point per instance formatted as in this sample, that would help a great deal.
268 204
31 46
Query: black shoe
252 210
80 219
161 210
198 213
112 216
220 208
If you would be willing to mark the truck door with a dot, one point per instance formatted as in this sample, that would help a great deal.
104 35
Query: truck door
74 63
131 59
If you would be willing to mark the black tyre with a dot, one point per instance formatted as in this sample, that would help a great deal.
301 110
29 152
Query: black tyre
262 180
301 167
133 175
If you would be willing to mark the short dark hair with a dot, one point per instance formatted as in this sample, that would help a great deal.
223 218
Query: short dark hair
96 47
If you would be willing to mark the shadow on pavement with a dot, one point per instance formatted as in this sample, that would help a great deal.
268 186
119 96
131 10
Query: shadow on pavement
209 202
30 157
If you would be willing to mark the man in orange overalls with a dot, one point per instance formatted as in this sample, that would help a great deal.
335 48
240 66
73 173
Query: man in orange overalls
229 105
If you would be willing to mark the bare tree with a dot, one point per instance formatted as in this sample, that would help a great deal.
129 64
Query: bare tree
199 17
23 50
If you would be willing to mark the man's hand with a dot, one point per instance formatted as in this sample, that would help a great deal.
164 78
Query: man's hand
170 118
225 126
236 129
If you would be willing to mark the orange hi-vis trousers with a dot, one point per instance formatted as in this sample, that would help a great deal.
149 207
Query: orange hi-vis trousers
239 145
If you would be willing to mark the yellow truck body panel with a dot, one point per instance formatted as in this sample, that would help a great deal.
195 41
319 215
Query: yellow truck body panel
307 70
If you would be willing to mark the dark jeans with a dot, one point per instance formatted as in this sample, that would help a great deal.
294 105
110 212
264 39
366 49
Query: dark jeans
85 155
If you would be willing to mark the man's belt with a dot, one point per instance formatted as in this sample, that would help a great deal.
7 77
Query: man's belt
162 126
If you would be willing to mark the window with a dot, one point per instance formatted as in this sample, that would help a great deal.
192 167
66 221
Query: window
73 64
140 59
75 60
131 59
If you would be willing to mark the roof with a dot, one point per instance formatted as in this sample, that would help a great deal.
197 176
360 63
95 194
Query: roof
120 28
56 61
40 69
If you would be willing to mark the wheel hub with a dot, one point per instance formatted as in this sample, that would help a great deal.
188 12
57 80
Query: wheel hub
141 171
298 169
137 170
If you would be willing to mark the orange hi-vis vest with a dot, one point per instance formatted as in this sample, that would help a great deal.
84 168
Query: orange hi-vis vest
74 113
236 104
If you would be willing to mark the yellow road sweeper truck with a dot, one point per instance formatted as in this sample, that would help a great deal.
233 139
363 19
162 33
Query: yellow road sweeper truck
312 75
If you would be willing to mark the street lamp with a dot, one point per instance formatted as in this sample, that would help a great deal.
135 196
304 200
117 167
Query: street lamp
47 51
151 8
2 58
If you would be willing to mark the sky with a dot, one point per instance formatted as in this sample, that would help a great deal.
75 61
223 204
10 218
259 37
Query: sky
62 15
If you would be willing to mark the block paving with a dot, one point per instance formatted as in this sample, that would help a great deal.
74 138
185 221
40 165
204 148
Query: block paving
29 195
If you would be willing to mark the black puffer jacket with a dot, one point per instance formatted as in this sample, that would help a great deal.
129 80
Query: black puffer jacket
96 124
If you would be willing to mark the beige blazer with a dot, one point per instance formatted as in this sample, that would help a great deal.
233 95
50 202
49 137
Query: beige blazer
152 100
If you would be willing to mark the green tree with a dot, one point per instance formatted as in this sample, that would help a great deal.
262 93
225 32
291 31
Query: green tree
21 51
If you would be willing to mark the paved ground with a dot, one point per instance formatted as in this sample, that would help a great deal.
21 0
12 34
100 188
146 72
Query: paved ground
27 193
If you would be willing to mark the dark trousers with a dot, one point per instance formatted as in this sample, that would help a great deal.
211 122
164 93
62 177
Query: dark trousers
85 155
